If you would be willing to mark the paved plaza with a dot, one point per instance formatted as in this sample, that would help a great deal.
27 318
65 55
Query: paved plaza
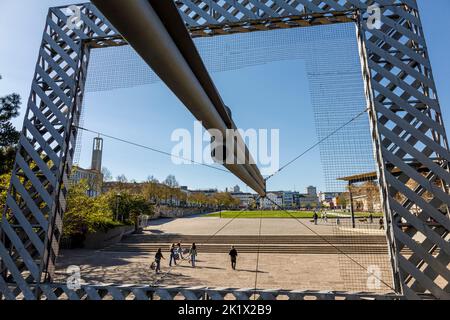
211 225
120 264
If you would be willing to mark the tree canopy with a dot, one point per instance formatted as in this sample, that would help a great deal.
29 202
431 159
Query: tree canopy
9 136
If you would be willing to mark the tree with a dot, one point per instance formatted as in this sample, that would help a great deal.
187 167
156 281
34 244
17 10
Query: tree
224 200
122 178
85 214
9 136
107 175
4 185
151 178
342 200
171 181
151 192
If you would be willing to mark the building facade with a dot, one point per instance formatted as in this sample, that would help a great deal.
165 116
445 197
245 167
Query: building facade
273 200
93 178
245 199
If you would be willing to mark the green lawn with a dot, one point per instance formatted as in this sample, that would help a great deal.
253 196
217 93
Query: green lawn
366 215
264 214
278 214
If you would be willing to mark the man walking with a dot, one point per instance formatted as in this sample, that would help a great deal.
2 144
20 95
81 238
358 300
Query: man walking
158 257
233 255
381 224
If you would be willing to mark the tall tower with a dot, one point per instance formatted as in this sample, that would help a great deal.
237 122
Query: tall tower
312 191
97 153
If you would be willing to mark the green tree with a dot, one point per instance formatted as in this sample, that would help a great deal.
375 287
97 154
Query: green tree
129 206
86 215
9 136
4 184
224 200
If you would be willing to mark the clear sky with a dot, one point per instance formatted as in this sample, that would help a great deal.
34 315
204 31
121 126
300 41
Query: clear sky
275 95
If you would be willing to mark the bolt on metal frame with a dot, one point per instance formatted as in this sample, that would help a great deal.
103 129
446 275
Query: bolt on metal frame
407 131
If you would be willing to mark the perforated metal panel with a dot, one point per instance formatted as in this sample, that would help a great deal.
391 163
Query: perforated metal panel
406 127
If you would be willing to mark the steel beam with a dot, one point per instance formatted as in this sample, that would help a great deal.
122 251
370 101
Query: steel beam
175 60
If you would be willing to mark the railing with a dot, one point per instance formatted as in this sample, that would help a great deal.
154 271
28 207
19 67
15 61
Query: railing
133 292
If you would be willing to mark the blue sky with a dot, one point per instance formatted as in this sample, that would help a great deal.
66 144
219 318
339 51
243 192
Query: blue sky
275 95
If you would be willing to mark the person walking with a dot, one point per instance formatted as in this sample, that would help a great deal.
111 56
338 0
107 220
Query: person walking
180 251
172 255
315 217
158 257
233 255
381 224
371 218
193 254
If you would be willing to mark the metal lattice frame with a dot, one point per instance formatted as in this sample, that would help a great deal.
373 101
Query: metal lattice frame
107 292
406 124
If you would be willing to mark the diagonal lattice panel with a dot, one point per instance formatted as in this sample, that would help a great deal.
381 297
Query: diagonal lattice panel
32 223
407 131
120 293
414 143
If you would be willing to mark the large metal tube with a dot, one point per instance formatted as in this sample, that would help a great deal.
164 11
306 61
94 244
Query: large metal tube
142 28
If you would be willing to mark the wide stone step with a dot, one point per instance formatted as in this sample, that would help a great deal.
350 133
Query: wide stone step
273 249
231 239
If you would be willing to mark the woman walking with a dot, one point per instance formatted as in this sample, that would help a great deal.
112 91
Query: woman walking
193 253
172 255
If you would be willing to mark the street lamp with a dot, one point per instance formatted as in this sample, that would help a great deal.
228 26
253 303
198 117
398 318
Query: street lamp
352 209
117 206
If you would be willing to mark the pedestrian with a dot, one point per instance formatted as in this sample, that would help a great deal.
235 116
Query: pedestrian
338 221
193 254
172 255
233 255
180 251
371 218
158 257
315 217
326 216
381 224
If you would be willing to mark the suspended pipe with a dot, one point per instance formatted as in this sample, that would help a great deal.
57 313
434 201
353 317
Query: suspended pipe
157 33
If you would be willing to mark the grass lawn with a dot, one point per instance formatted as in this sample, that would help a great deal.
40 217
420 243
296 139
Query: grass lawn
279 214
265 214
366 214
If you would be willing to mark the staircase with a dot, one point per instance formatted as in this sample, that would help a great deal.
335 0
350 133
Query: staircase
295 244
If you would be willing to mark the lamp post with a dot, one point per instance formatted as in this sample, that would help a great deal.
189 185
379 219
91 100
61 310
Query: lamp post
117 206
352 209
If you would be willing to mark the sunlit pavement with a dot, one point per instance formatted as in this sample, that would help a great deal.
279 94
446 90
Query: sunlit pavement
287 271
